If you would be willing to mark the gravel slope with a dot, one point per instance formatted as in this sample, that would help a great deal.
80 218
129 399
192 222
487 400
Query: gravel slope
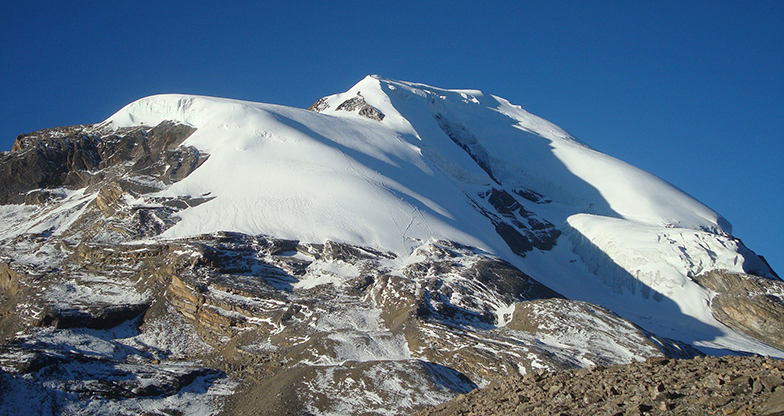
702 386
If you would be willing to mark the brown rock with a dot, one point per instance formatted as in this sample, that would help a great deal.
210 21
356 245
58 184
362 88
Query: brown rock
772 381
774 405
745 304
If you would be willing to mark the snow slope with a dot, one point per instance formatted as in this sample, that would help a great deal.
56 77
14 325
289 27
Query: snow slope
297 174
630 241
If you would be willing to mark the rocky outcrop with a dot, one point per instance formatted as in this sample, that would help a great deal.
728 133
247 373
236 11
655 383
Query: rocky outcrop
521 229
361 107
759 317
471 294
109 170
568 319
96 315
8 280
356 105
91 378
48 159
78 156
749 304
320 105
701 386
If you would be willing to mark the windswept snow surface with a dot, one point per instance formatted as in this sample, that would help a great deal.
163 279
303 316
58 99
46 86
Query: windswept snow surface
629 238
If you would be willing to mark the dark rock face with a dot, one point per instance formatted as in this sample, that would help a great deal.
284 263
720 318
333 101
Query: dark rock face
521 229
97 316
749 304
532 196
701 386
520 224
47 159
114 166
79 156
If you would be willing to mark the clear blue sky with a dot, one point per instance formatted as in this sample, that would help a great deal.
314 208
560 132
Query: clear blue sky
692 91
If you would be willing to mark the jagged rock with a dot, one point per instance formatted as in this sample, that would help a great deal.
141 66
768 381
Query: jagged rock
737 284
508 215
106 200
775 404
338 251
320 105
47 159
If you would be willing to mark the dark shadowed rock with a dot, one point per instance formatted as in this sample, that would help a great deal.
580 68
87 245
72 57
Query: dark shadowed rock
78 156
95 316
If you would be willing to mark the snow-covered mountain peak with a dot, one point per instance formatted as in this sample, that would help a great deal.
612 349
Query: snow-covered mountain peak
394 165
412 239
461 136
